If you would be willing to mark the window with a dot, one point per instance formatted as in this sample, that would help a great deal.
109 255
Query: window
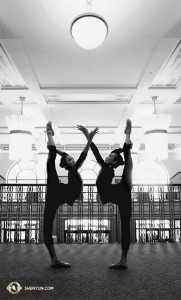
26 172
150 172
89 171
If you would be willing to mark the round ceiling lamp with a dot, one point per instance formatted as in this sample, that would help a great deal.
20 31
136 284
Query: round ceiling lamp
89 30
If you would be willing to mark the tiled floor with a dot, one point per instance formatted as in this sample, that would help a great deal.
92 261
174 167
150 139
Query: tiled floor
154 272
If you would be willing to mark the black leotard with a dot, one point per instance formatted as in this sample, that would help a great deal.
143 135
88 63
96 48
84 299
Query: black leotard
111 192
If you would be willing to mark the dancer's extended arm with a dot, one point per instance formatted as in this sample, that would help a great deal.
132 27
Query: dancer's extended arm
87 145
90 138
97 154
93 146
86 149
60 152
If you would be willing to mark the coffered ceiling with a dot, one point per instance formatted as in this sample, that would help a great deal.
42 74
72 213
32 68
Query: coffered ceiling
140 58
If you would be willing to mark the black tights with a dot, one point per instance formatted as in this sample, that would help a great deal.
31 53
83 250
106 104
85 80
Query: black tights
55 197
125 229
120 194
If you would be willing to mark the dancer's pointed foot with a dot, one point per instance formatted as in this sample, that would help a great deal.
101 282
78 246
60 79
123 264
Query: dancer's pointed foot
60 264
128 126
49 128
119 265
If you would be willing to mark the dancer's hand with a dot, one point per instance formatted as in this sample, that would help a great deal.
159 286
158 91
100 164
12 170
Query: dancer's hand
92 133
130 143
84 130
90 137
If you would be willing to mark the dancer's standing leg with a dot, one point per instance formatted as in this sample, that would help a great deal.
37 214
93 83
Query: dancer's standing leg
125 213
125 200
54 199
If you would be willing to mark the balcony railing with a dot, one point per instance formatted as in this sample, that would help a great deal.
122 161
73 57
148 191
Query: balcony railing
156 215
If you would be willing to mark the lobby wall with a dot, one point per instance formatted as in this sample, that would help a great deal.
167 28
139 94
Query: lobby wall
173 164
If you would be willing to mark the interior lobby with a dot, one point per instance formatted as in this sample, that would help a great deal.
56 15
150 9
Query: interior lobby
126 64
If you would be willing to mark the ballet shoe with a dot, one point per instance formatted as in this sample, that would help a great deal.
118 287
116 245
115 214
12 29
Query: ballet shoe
128 126
117 266
49 128
60 264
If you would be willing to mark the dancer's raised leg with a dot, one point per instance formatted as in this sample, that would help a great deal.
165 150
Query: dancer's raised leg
125 203
53 200
125 219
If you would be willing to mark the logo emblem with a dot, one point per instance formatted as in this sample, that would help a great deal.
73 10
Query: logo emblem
14 287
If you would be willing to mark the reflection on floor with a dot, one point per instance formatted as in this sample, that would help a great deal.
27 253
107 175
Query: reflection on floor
153 273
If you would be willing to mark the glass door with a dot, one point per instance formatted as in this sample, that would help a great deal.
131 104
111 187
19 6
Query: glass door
152 235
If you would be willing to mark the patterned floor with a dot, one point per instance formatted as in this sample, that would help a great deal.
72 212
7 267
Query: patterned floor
154 272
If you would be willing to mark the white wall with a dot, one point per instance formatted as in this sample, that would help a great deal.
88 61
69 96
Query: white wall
173 164
5 163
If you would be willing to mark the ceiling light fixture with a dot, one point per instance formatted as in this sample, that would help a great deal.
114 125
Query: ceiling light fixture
21 128
156 140
89 30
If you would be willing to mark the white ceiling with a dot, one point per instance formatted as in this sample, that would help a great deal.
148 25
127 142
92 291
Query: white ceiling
102 87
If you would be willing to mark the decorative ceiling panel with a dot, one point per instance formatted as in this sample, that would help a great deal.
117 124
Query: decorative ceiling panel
9 74
27 101
170 73
58 99
178 101
160 100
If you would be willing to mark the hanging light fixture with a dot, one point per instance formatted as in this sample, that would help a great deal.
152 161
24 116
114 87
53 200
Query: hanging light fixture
156 140
89 30
20 127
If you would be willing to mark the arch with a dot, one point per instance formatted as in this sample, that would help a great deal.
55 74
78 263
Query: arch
151 172
88 176
20 167
26 176
89 171
147 176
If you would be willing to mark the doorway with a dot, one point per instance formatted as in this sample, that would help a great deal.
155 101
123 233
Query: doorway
157 235
86 237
